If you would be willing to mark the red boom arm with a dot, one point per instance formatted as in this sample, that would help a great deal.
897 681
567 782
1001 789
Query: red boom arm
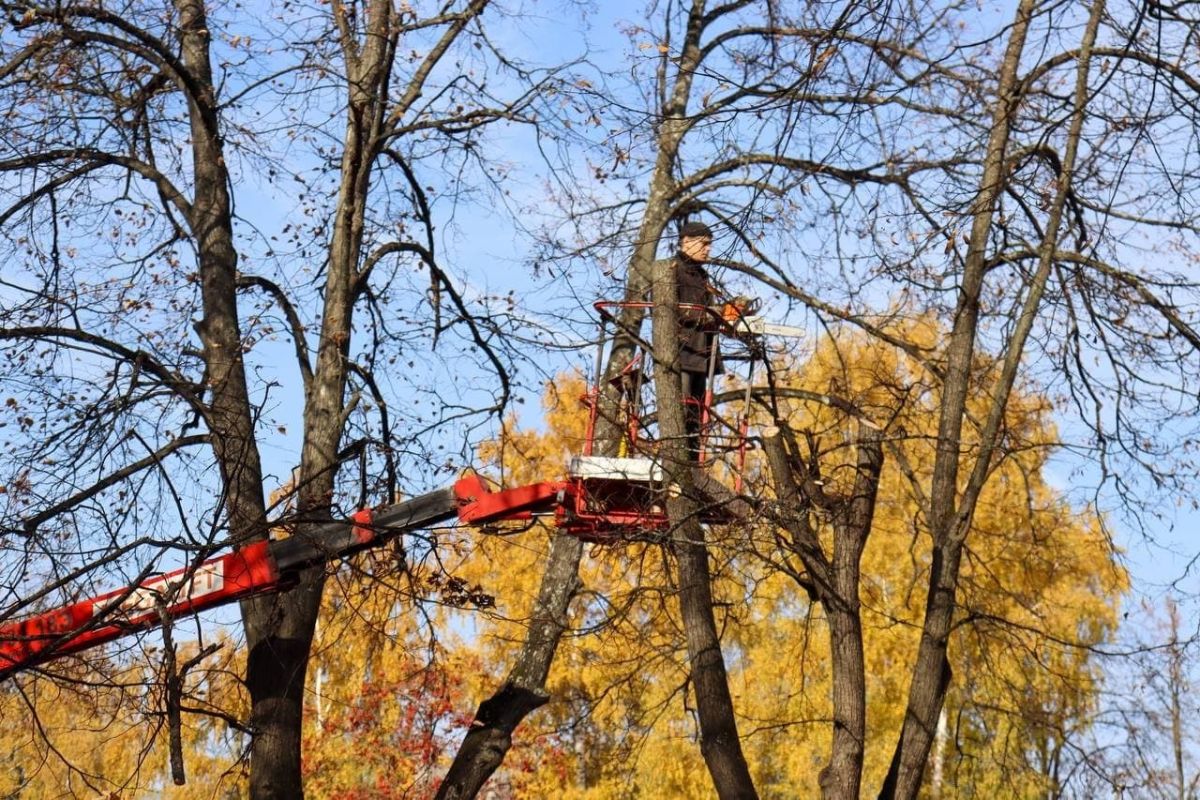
261 567
110 616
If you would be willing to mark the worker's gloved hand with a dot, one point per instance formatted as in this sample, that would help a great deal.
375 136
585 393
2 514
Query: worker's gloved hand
738 307
748 305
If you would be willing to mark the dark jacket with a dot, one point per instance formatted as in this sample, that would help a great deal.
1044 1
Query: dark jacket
696 339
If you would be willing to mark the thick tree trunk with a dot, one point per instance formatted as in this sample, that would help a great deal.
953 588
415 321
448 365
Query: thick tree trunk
280 628
279 631
719 741
278 646
230 413
842 776
720 744
835 582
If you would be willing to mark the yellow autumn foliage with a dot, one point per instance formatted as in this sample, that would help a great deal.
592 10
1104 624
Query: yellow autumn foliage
1038 576
98 730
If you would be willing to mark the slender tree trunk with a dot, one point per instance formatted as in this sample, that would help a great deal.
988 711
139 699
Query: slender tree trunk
950 514
1176 678
212 226
931 673
489 738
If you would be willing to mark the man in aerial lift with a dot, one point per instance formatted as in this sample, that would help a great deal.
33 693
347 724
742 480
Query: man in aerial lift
698 350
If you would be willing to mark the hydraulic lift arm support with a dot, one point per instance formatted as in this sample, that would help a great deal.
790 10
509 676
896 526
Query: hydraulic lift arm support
258 568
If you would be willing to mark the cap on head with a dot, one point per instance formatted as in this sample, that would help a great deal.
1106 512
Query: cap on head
696 229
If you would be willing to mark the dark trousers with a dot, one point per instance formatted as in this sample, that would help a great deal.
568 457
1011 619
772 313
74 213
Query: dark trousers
694 385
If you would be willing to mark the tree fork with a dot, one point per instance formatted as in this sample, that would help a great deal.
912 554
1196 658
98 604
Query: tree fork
836 588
